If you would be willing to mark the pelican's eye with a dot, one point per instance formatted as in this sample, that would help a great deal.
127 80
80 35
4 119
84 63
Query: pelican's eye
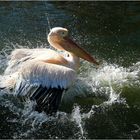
63 34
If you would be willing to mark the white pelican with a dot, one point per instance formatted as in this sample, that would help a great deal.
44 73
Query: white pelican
43 74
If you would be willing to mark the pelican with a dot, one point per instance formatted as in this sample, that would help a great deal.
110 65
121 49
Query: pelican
42 75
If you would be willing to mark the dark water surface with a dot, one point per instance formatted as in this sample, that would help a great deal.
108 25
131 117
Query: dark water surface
105 101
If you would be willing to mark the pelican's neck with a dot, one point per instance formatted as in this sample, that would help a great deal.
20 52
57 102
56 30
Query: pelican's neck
74 61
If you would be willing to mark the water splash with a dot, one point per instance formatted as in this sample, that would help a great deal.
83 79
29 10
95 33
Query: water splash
113 95
76 116
48 20
111 79
47 17
115 75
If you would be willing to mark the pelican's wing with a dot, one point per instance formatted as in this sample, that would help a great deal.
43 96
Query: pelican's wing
8 81
19 54
19 57
49 80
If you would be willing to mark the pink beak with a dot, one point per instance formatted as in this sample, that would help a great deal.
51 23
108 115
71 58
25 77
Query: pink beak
72 47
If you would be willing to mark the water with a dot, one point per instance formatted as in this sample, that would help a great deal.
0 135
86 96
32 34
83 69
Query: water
105 101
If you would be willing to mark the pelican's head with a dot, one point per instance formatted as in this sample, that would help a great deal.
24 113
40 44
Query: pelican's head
58 38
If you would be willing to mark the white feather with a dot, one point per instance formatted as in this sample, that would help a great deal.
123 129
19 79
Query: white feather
47 75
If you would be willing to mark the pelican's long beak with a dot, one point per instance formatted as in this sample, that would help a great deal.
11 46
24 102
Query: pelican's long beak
78 51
